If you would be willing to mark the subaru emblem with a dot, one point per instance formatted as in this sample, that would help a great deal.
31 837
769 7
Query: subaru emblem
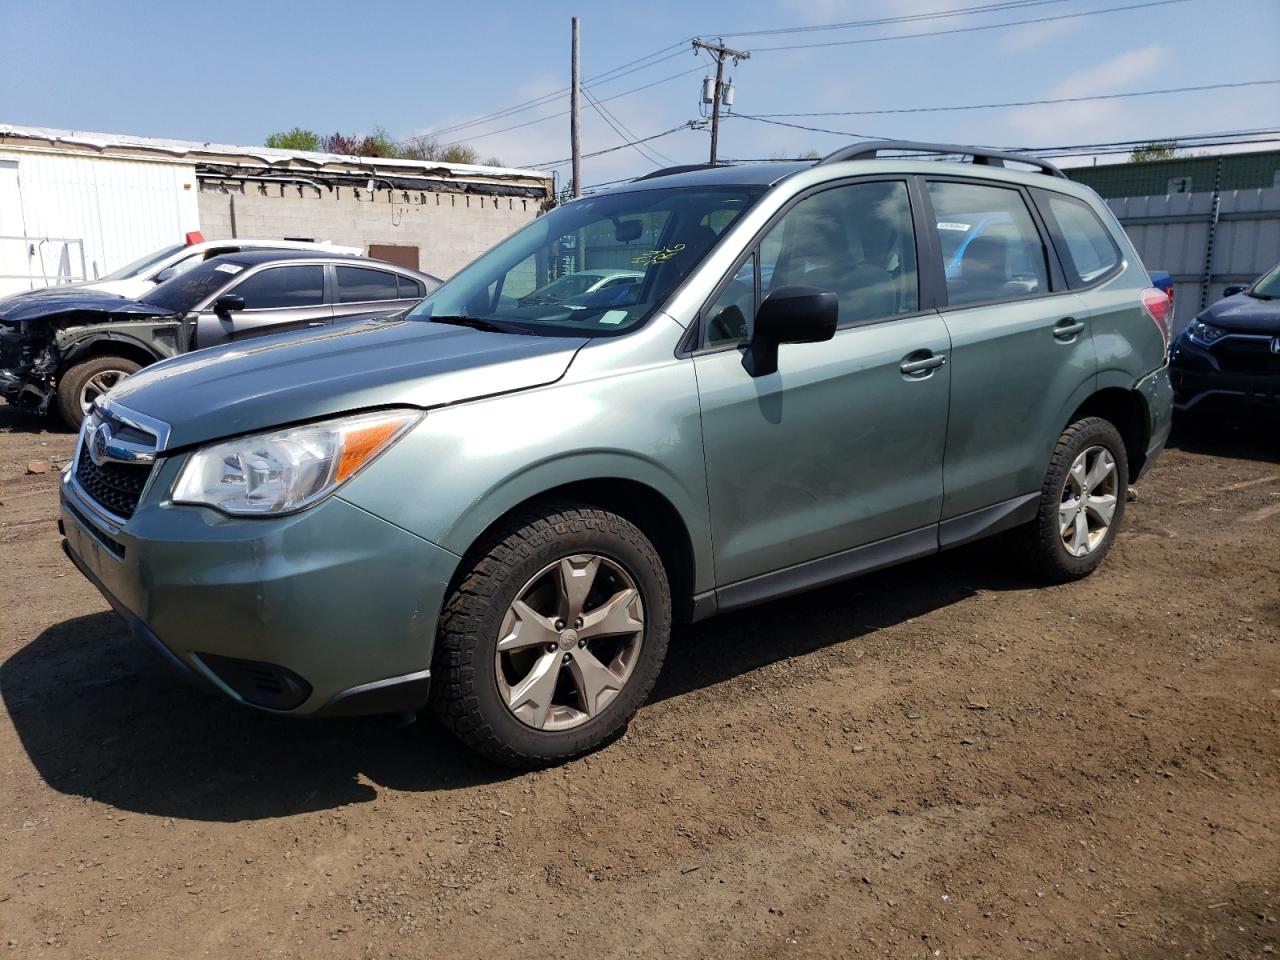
99 437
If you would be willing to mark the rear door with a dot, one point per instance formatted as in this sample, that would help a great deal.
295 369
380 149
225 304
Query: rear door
276 298
1021 347
367 291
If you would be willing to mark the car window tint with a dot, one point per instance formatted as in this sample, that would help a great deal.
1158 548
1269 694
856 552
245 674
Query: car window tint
990 245
407 289
1087 245
855 240
730 316
358 284
282 287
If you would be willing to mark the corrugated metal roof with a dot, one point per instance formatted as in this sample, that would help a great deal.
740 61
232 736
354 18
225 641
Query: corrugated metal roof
126 145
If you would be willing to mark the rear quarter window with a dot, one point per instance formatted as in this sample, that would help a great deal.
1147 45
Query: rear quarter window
1088 251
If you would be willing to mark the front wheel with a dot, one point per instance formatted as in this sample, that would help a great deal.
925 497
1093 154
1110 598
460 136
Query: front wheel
82 384
1081 503
553 637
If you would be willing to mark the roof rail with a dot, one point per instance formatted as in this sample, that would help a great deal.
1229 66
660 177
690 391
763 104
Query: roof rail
680 168
983 157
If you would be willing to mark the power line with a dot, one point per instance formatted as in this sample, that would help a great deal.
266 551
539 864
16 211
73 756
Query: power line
906 18
650 154
565 113
1019 103
1013 103
956 30
801 126
608 76
687 125
1087 148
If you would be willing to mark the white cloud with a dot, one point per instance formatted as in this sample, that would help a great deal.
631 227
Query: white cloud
1112 76
1034 35
1097 120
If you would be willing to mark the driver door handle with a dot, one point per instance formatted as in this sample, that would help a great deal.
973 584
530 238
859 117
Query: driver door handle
920 367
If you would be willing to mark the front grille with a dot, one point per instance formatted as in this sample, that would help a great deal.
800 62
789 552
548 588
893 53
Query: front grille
1238 355
116 487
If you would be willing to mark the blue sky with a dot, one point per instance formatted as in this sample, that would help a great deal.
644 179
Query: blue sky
234 71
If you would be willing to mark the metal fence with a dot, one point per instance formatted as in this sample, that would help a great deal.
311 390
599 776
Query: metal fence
29 263
1206 240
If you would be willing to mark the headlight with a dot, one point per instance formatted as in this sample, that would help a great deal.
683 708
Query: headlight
1205 334
273 473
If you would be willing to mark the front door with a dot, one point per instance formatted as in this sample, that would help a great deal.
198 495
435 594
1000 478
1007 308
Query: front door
276 298
842 446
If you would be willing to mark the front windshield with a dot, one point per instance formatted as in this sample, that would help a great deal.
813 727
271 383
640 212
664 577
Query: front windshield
553 277
142 263
1268 288
186 290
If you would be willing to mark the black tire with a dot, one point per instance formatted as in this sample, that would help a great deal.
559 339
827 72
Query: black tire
74 379
1042 539
465 692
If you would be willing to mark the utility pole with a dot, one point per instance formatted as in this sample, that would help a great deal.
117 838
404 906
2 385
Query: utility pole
575 133
721 53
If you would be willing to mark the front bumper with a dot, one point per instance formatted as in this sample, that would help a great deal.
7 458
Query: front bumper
331 611
1198 377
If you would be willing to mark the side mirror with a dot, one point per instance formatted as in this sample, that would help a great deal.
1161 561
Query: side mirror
168 273
791 315
227 303
1232 289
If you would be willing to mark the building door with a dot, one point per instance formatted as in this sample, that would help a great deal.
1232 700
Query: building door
14 260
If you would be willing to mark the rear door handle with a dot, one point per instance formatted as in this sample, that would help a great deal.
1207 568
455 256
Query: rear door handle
1067 329
919 368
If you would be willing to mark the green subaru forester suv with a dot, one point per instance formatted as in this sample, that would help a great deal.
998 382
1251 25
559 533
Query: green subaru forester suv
499 502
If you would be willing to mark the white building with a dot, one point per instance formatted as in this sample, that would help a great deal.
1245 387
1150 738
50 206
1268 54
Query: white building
76 205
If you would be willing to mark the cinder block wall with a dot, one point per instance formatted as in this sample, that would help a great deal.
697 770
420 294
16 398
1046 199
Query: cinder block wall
449 229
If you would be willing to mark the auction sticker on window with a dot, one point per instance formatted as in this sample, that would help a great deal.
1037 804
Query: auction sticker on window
962 227
229 267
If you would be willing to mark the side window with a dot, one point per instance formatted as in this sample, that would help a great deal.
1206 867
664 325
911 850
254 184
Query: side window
407 289
1082 239
857 240
185 264
283 287
358 284
991 249
730 317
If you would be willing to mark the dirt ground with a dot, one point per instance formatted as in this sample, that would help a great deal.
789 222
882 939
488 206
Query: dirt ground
942 760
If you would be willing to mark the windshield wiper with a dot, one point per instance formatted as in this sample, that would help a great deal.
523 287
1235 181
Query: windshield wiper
477 323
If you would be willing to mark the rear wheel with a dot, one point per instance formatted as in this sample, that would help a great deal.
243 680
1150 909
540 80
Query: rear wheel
1081 503
553 638
83 383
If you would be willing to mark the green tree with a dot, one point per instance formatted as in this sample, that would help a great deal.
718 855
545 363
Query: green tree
1155 150
295 139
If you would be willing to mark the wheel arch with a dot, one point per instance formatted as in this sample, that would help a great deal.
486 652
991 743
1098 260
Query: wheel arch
640 503
1126 409
108 345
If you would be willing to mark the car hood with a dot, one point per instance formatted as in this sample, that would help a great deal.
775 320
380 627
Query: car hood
1244 314
260 384
51 301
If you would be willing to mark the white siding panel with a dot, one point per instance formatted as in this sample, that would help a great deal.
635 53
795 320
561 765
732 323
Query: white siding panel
120 209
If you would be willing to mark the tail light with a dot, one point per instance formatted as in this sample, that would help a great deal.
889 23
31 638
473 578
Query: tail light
1159 307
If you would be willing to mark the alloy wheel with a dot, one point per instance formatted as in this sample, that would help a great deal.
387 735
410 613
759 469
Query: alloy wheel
1088 501
569 642
97 385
